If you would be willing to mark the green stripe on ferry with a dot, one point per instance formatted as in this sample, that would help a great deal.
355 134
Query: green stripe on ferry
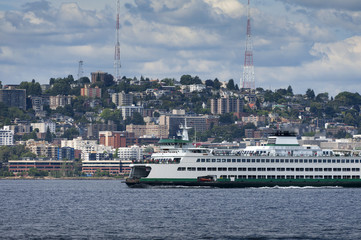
168 180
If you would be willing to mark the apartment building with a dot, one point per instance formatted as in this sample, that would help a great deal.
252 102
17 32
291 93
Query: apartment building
226 105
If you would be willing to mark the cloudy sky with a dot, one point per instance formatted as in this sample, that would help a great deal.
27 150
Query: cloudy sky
303 43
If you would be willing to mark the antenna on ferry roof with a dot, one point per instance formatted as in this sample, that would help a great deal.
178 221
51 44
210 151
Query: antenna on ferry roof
184 128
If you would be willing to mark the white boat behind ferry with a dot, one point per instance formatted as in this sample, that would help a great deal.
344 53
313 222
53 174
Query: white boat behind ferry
282 162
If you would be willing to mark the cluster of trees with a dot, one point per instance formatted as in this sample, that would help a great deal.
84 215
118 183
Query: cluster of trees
14 152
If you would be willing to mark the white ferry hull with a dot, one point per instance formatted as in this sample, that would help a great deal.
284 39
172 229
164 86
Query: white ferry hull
281 163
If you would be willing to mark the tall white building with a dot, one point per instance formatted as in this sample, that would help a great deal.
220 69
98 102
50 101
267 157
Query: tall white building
6 137
130 153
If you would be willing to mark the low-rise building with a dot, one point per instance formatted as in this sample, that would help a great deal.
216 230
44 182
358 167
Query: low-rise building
18 166
113 166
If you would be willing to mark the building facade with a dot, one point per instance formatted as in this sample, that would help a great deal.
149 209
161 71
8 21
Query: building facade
44 126
128 111
18 166
122 99
151 130
133 153
86 91
98 76
199 123
6 137
226 105
13 98
59 101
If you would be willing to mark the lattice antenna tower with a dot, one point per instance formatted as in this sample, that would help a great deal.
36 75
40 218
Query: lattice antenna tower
117 47
248 81
80 70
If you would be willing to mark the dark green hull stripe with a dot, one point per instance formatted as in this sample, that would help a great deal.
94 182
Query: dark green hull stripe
239 183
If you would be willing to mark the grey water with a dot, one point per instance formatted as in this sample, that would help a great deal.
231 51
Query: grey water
78 209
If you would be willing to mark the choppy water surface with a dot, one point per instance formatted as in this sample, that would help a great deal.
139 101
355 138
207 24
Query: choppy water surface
67 209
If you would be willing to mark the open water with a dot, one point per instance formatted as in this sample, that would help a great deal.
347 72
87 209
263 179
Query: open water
76 209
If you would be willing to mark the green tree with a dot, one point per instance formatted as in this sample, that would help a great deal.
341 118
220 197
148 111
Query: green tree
209 83
230 85
70 133
136 119
289 91
186 80
348 99
32 88
37 173
322 97
48 136
226 118
310 94
217 84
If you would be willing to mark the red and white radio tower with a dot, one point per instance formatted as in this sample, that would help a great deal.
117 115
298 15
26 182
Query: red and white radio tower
117 48
248 81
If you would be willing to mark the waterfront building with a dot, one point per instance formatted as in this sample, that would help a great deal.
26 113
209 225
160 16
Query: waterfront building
113 166
18 166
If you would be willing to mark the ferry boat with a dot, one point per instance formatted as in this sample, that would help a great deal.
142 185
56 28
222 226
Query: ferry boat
282 162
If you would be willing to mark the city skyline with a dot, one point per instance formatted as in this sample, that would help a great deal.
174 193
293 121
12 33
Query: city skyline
305 44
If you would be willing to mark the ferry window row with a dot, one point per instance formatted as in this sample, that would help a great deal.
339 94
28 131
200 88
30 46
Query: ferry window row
289 177
244 160
253 169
